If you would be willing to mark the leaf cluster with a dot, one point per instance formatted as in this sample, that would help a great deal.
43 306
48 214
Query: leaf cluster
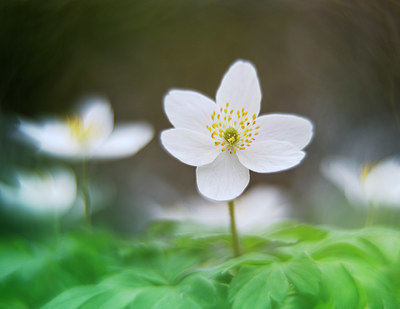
287 266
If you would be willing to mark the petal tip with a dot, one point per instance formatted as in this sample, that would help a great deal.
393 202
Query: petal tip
243 63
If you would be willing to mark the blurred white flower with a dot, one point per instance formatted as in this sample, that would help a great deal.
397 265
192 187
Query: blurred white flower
44 192
226 139
259 208
377 183
89 134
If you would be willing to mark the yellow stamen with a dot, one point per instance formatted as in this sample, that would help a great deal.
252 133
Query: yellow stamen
365 170
79 131
229 135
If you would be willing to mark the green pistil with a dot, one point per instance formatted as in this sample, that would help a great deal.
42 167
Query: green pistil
231 135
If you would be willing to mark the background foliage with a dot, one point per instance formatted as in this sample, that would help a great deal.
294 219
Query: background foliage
287 266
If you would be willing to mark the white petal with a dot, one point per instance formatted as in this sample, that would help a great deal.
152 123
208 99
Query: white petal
382 184
64 189
260 207
189 110
224 179
52 137
240 87
31 131
190 147
97 115
289 128
345 175
270 156
124 141
42 192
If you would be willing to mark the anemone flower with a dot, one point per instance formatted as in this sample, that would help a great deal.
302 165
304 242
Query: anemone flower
44 192
90 134
368 184
227 138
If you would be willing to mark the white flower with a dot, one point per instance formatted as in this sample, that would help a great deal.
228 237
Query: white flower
261 207
370 183
226 139
42 192
89 134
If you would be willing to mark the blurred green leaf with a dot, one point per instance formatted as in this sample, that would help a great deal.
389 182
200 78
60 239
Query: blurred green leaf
74 297
194 291
289 266
261 286
155 279
339 289
256 287
304 274
297 233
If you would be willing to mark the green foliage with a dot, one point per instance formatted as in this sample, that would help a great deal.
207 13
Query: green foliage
289 266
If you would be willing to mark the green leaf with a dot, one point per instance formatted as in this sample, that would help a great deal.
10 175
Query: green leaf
112 299
163 298
376 285
339 289
304 274
343 251
201 289
296 301
261 286
160 266
386 240
289 267
298 233
74 297
351 246
255 287
222 301
245 259
156 278
194 291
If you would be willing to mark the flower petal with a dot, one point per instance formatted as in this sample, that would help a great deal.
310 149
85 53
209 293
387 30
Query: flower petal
344 174
224 179
97 115
190 147
270 156
240 87
260 207
382 184
42 192
288 128
124 141
52 137
189 110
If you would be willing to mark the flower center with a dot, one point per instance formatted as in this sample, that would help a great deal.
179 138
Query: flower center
231 136
232 129
365 170
78 130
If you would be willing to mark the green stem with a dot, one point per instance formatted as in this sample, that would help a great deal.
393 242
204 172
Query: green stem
370 216
235 238
85 189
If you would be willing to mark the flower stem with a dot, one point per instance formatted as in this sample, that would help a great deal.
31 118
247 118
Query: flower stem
85 189
235 238
370 216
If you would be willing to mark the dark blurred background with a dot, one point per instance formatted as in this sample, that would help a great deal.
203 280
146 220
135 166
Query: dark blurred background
335 62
